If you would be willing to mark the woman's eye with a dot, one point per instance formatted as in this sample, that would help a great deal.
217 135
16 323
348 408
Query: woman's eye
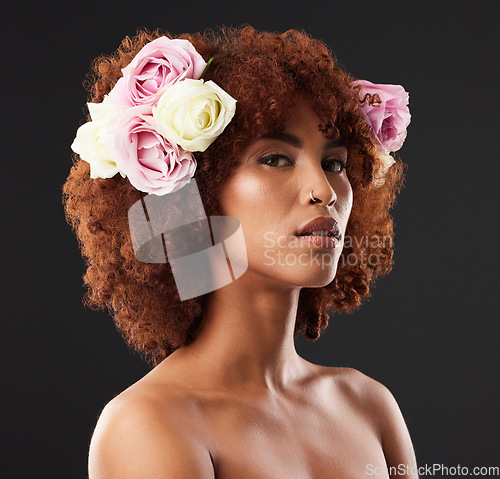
334 165
275 160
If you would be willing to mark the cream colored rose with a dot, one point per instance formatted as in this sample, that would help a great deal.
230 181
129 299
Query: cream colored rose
386 161
92 139
193 113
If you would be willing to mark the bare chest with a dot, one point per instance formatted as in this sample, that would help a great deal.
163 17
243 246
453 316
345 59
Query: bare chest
306 442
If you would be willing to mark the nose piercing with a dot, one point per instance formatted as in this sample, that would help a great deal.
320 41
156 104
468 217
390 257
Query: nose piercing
312 198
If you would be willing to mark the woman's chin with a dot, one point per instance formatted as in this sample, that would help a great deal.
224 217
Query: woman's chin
310 277
319 280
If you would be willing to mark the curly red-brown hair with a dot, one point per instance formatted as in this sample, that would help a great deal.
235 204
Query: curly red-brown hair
262 71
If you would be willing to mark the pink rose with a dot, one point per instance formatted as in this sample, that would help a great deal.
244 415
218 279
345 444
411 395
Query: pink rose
385 107
150 161
158 65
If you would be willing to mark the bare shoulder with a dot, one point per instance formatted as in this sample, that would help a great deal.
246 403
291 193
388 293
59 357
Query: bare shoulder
362 390
138 436
374 400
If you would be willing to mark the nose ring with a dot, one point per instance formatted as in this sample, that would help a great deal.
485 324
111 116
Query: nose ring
314 200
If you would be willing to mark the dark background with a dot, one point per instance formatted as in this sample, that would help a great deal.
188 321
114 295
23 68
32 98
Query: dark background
429 332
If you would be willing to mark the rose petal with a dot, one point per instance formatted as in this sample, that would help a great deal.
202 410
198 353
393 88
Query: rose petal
388 119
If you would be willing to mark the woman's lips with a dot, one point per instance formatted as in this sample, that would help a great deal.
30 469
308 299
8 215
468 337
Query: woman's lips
326 224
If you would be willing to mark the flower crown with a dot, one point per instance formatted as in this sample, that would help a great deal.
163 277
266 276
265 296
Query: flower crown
161 110
155 116
385 108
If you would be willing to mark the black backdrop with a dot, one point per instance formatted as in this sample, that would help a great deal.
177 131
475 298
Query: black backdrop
429 332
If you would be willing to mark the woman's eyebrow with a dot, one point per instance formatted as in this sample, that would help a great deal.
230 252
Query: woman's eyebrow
297 142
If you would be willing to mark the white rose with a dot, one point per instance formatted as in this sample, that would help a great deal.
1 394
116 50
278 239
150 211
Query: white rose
193 113
386 161
92 139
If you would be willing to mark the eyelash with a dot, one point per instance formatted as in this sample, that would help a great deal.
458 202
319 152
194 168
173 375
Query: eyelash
343 163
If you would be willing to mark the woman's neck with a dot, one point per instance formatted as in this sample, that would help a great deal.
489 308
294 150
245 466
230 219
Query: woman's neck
246 337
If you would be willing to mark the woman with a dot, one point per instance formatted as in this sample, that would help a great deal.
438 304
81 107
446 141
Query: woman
285 137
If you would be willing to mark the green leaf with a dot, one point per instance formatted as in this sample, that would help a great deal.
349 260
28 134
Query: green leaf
208 64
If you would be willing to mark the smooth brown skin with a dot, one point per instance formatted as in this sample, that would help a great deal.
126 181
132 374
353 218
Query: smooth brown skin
239 402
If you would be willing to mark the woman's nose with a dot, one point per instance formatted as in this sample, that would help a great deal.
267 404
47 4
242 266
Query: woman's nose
317 188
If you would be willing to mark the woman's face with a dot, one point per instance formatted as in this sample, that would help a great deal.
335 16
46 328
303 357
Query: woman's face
270 194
